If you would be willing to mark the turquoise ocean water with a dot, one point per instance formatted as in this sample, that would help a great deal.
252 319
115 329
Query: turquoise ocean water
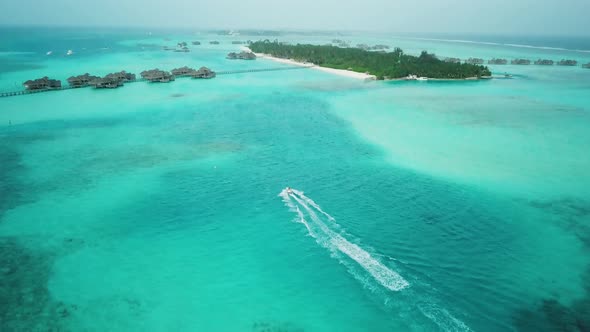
419 206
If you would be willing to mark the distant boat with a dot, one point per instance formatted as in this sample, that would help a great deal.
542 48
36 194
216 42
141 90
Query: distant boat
49 53
70 52
422 79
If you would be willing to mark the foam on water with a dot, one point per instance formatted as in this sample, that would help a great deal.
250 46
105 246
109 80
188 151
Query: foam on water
332 240
377 271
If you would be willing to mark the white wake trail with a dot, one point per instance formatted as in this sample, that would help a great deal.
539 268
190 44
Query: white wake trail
327 237
381 273
312 203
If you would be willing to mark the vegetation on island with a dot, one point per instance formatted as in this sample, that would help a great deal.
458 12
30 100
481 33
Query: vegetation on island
384 65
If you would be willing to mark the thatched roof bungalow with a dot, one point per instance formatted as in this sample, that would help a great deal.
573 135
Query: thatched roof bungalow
241 56
156 75
107 82
475 61
214 42
495 61
81 80
122 76
453 60
196 43
203 72
237 42
544 62
567 63
586 65
183 49
520 62
183 71
43 83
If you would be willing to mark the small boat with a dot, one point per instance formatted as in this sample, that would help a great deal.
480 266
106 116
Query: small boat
422 79
289 190
49 53
70 52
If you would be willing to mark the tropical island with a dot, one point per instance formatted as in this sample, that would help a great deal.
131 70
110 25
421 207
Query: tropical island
384 65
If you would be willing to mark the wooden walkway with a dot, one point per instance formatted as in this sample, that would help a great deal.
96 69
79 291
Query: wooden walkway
226 72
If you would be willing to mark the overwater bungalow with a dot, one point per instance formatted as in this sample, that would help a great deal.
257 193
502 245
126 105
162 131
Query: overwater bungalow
495 61
520 62
43 83
107 82
183 49
586 65
214 42
181 45
183 71
203 72
196 43
81 80
475 61
157 76
122 76
237 42
565 62
241 56
544 62
453 60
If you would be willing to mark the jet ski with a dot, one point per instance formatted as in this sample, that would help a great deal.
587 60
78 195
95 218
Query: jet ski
289 190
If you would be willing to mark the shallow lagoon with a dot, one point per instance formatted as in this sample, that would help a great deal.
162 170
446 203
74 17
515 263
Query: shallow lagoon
155 207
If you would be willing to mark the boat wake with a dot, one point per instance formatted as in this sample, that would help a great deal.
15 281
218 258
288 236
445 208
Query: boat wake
323 228
364 267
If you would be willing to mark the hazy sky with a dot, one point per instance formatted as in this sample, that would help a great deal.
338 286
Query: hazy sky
547 17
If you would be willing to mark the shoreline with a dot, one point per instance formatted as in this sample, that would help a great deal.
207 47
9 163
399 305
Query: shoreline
353 74
341 72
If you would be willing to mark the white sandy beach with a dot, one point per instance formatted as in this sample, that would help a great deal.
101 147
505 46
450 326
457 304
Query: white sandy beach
341 72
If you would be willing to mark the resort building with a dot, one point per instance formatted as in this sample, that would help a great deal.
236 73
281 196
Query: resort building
544 62
43 83
203 72
183 71
379 47
107 82
453 60
81 80
157 76
520 62
122 76
241 56
475 61
567 63
495 61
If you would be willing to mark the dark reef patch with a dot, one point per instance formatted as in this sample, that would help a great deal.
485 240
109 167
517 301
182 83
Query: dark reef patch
573 215
25 303
11 189
552 315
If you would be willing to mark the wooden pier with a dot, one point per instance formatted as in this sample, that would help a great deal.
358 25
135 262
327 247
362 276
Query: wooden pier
227 72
